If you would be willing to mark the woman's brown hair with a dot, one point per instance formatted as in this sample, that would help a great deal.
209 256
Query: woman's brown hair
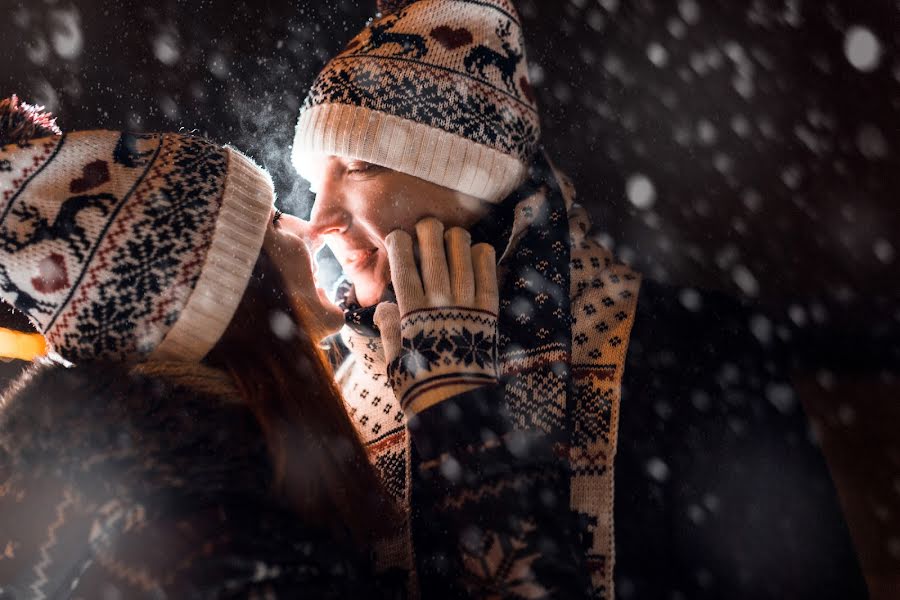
320 465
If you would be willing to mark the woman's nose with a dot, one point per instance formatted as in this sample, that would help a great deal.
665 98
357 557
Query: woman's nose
298 227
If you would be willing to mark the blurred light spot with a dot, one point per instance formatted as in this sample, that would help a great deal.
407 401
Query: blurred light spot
825 379
471 537
689 11
282 325
706 131
745 280
883 250
818 312
696 514
605 240
781 396
657 469
752 200
743 85
596 20
45 95
792 15
535 74
871 142
38 50
65 33
761 327
862 48
792 176
517 443
737 425
727 256
797 315
657 54
563 92
663 410
640 190
682 135
766 127
690 299
711 502
729 374
451 469
846 415
165 47
723 163
218 65
676 28
169 108
610 5
700 400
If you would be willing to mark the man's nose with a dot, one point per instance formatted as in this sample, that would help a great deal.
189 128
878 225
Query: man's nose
329 215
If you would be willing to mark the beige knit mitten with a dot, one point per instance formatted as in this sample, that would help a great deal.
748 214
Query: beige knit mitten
442 338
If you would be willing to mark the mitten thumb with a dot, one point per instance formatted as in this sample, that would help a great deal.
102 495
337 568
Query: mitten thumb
387 320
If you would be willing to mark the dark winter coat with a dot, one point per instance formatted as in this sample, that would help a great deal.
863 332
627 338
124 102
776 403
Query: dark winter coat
721 489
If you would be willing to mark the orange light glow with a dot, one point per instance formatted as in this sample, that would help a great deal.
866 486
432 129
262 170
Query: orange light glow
24 346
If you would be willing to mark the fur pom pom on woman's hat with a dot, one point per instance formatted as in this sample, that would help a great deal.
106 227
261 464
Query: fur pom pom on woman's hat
20 122
124 246
438 89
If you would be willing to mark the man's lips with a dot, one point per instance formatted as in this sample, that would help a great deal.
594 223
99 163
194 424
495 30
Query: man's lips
357 260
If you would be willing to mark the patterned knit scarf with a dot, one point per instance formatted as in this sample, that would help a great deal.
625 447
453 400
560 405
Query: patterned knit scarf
566 311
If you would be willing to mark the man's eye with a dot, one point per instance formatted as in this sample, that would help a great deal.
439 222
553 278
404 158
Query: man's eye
360 167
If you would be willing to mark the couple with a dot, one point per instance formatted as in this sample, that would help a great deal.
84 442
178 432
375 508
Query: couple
200 446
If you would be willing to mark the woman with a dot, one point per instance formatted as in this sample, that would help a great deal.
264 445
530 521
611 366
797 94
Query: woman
198 448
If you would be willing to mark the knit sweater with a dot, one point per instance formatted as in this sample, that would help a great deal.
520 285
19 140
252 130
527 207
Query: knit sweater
155 484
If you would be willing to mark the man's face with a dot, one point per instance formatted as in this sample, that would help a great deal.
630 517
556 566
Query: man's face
358 204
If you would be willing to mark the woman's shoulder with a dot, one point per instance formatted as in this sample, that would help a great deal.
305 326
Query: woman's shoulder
102 425
163 482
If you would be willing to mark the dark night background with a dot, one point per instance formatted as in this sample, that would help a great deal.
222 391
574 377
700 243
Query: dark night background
750 146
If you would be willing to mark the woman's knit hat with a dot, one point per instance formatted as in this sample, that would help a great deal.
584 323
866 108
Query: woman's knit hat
125 246
437 89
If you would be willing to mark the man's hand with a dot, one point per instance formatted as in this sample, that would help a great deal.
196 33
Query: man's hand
440 339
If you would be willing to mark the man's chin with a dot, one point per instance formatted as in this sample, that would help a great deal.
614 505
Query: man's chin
371 295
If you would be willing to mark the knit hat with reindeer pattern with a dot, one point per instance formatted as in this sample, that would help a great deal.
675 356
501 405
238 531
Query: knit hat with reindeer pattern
437 89
125 246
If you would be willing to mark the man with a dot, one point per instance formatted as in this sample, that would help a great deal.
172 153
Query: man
718 492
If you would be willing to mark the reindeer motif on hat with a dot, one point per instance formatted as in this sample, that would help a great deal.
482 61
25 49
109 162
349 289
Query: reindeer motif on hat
380 34
481 57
